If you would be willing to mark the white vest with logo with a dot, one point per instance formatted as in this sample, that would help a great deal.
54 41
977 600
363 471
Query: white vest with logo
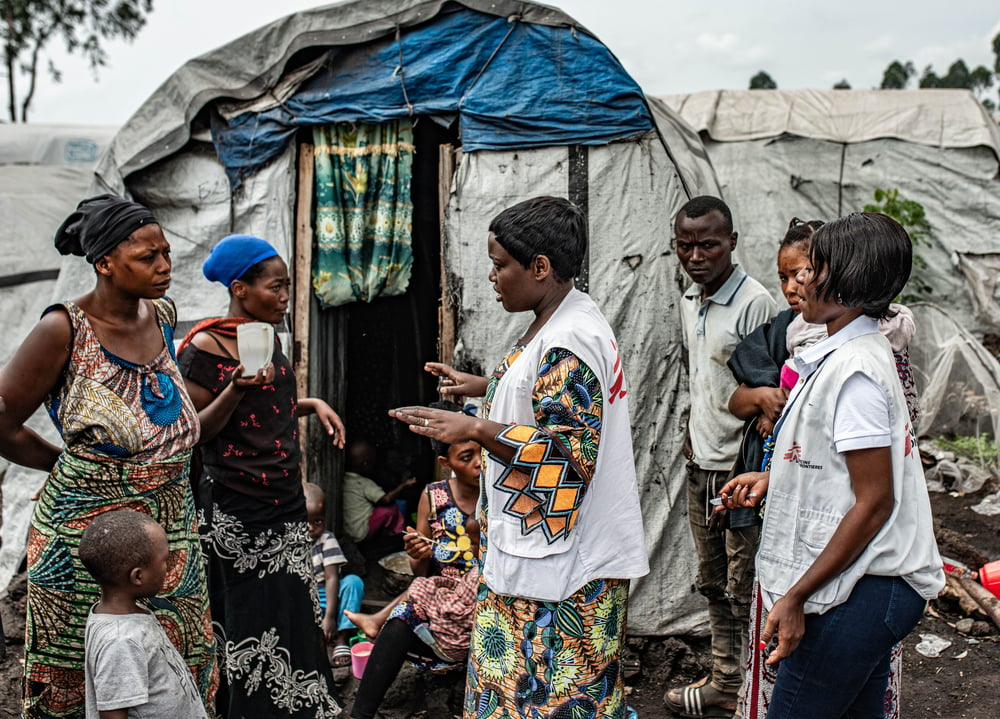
810 489
607 539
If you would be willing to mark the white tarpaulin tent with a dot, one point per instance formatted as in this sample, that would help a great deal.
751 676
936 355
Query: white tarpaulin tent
632 187
44 171
819 154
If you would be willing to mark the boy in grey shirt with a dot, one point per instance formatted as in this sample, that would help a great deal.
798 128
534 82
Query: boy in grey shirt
132 669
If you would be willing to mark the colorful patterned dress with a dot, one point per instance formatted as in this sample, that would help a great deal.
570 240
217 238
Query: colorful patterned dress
449 559
265 606
128 430
549 659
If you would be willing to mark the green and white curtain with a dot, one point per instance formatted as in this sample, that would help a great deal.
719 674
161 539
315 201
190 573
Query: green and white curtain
363 211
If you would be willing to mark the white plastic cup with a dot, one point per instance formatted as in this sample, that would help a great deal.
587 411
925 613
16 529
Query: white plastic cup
255 343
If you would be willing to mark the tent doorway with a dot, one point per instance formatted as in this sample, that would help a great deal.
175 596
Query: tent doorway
367 357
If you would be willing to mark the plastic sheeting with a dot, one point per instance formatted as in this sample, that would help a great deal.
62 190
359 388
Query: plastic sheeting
570 90
636 281
767 181
44 172
957 378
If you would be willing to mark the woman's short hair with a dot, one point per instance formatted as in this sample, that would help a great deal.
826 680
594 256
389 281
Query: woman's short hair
799 232
862 260
549 226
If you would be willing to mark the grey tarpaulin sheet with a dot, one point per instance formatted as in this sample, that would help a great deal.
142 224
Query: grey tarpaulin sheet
636 281
44 171
768 180
957 378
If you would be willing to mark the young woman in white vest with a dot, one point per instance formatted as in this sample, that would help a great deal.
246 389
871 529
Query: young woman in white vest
847 557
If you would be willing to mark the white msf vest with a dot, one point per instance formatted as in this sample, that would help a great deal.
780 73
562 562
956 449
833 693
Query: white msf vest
810 489
606 541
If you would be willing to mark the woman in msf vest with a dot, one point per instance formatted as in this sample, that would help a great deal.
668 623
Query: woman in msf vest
559 511
847 557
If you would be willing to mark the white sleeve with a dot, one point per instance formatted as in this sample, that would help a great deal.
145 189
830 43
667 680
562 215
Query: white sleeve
861 419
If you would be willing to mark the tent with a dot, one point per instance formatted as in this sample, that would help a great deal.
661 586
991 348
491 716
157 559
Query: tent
818 154
44 171
508 100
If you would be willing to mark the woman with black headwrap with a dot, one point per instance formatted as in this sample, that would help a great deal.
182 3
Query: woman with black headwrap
104 366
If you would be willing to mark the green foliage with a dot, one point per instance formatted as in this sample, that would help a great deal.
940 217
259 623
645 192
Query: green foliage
842 85
763 81
897 75
27 26
912 216
981 449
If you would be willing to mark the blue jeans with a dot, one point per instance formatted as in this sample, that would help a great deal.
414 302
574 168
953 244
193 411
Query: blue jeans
349 595
841 667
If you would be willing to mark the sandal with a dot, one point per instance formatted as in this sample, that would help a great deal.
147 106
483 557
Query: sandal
689 702
341 656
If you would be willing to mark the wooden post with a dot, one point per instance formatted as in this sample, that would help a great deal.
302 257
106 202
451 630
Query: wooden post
302 289
446 308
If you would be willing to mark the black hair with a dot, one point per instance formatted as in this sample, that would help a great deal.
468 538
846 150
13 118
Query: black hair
441 448
799 232
115 543
702 205
863 260
255 271
549 226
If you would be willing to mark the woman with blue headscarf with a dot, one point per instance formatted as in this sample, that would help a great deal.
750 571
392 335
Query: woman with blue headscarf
254 528
104 365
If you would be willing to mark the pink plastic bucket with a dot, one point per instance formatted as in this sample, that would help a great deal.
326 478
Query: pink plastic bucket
989 575
359 658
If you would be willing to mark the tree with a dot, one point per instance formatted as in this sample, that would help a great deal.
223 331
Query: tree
978 80
842 85
897 75
27 26
912 216
762 81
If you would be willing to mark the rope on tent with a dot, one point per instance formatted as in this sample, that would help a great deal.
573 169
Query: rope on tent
513 20
399 71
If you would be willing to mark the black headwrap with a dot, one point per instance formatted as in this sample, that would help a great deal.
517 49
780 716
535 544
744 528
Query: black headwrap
99 225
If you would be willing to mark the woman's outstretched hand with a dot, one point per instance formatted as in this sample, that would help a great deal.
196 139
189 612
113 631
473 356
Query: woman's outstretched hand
455 383
745 490
442 425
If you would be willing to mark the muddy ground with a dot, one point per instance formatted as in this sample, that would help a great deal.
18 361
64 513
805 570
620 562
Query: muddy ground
963 683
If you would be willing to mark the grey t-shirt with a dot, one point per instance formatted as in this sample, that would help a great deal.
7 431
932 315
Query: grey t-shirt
131 663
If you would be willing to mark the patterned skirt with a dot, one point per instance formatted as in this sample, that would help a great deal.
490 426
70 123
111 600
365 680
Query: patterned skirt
61 591
548 660
265 610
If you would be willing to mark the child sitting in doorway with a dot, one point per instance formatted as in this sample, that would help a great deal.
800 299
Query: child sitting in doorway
368 510
337 595
131 668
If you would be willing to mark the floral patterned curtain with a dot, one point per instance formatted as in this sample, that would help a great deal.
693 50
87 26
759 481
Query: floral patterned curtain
363 211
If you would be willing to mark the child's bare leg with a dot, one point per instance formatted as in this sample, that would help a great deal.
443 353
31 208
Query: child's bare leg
371 624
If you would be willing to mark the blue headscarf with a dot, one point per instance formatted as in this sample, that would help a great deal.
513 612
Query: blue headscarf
233 256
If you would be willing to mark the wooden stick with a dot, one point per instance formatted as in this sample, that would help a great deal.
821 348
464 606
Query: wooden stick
302 279
989 603
966 603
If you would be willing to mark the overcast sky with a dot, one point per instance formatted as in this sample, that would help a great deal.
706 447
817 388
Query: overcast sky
668 46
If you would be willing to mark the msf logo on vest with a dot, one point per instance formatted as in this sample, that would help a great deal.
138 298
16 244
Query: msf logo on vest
794 454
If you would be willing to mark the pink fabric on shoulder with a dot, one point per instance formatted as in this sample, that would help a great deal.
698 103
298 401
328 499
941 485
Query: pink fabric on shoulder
788 376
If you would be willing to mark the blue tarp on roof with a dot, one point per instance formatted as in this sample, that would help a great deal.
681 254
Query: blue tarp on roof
512 84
